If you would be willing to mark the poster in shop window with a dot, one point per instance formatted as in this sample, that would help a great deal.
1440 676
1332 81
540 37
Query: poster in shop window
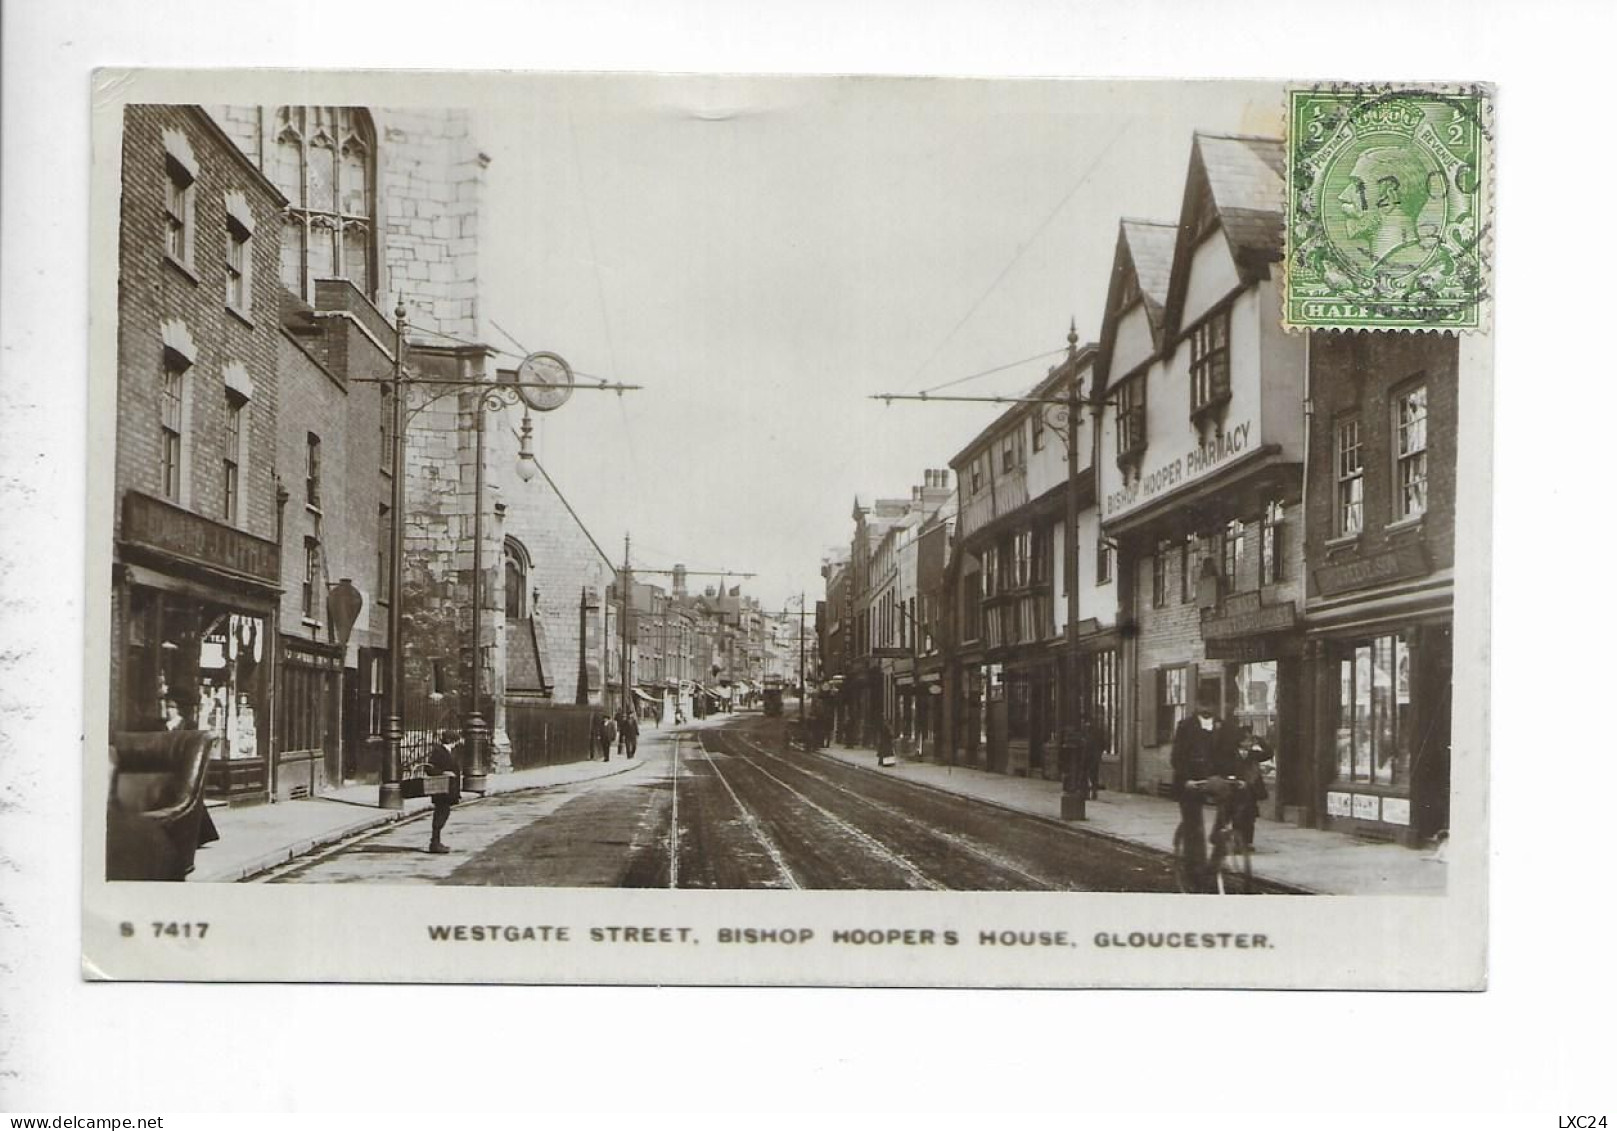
771 630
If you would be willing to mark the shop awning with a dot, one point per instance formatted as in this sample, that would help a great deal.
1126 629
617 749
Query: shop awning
641 694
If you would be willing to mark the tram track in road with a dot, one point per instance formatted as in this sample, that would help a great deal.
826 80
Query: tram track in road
751 822
1102 862
963 844
921 880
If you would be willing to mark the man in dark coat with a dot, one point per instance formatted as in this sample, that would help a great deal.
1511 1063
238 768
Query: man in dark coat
628 732
1094 740
1198 743
444 758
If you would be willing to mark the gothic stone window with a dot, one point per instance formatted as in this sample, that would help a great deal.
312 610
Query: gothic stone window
516 580
324 160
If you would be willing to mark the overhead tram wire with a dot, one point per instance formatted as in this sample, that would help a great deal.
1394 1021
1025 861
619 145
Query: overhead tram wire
1027 243
991 372
599 380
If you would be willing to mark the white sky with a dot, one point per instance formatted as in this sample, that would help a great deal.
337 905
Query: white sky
764 254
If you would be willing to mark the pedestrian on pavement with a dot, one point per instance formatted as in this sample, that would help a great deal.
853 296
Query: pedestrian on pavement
444 758
628 733
1094 741
609 735
1196 744
1250 752
884 744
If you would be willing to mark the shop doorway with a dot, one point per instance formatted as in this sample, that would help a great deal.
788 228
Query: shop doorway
1430 772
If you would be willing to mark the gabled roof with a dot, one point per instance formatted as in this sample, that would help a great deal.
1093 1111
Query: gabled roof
1242 179
1144 253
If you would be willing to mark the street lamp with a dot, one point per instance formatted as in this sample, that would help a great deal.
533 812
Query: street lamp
544 383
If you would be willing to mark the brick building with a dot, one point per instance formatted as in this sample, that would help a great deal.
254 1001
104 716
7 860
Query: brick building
1201 464
1380 548
197 559
334 455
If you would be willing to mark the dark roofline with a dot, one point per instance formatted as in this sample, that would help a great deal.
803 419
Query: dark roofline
1073 364
246 162
1111 317
1196 183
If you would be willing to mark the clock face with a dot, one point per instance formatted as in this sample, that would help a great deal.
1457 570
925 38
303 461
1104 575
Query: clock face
550 371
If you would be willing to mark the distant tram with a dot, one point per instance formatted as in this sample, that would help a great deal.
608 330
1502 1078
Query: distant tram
773 691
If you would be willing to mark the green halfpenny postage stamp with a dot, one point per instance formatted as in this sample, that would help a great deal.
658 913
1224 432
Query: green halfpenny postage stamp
1389 208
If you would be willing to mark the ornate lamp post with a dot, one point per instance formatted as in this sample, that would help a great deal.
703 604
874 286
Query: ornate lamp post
544 383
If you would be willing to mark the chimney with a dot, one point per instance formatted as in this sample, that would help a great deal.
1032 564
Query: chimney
679 580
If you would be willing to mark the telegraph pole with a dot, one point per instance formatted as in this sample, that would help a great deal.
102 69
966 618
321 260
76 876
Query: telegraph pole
1074 792
623 629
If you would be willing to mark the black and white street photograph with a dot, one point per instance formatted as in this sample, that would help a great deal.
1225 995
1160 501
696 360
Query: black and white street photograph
643 483
949 560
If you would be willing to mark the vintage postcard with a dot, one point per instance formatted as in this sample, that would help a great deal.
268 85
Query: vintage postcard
720 529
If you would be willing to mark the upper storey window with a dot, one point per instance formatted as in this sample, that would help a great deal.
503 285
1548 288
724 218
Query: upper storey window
324 160
1210 363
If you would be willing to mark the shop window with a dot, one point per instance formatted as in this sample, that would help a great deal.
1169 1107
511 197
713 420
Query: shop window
1172 701
180 211
1131 420
1269 544
1159 575
235 405
1409 420
311 577
1210 363
311 472
1374 712
1018 708
1349 478
324 162
1098 693
172 436
1257 706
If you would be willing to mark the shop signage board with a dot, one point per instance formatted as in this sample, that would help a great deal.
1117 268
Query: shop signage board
1179 466
1264 618
183 534
1401 563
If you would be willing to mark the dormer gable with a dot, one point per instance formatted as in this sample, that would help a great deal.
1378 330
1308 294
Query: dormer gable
1141 266
1234 192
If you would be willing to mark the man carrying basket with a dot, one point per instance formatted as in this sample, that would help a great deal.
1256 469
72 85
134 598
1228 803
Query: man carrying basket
444 758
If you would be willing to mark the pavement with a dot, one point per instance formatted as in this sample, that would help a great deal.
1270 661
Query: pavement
1315 860
254 839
